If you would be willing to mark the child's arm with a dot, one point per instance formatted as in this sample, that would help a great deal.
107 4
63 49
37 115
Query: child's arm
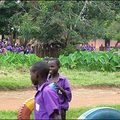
66 90
62 90
51 102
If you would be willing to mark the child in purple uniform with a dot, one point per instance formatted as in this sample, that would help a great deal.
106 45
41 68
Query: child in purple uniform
62 83
46 105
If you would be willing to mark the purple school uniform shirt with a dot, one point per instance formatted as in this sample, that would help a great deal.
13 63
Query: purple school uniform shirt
46 101
1 50
17 49
9 48
63 82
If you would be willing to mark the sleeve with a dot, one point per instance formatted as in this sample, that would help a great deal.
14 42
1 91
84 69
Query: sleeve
67 89
51 101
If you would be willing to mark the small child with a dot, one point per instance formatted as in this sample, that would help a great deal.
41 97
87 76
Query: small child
62 84
46 105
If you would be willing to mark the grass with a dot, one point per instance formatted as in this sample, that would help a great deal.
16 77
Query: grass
8 115
71 113
12 78
75 113
92 78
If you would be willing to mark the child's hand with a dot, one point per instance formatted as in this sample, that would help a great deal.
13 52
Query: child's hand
61 89
58 86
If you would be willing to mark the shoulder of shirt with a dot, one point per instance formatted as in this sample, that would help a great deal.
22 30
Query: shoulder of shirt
43 86
48 89
61 77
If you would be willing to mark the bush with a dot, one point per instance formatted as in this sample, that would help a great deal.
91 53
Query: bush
68 50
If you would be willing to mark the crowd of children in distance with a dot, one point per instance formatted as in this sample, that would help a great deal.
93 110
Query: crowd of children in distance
6 45
53 90
85 47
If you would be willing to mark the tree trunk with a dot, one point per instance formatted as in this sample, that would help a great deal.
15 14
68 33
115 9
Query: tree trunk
107 43
117 43
3 36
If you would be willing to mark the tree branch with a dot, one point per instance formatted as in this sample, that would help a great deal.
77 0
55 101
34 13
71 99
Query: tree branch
81 13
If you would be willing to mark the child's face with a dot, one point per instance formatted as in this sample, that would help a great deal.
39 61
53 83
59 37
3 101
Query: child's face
34 78
53 67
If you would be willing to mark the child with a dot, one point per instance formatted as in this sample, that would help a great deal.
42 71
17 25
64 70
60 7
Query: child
62 84
46 105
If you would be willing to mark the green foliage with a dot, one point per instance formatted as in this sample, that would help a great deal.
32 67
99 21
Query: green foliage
73 21
14 59
117 36
9 9
101 61
69 49
114 30
81 21
49 20
27 28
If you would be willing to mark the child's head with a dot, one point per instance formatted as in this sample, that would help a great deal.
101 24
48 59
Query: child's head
39 72
46 59
54 65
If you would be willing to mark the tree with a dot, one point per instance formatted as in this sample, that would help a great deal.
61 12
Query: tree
77 20
66 22
10 12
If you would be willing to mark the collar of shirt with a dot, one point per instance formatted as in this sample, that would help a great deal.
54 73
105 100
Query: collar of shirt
41 87
59 77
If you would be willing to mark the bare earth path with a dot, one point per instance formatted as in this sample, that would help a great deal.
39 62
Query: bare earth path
12 100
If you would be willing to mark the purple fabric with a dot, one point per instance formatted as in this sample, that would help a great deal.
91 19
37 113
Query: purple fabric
9 42
1 50
9 48
17 49
63 82
107 48
3 44
46 101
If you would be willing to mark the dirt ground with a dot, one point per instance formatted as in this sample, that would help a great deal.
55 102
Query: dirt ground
12 100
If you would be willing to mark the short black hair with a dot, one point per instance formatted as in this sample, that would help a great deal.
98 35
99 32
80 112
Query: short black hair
56 60
41 68
46 59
